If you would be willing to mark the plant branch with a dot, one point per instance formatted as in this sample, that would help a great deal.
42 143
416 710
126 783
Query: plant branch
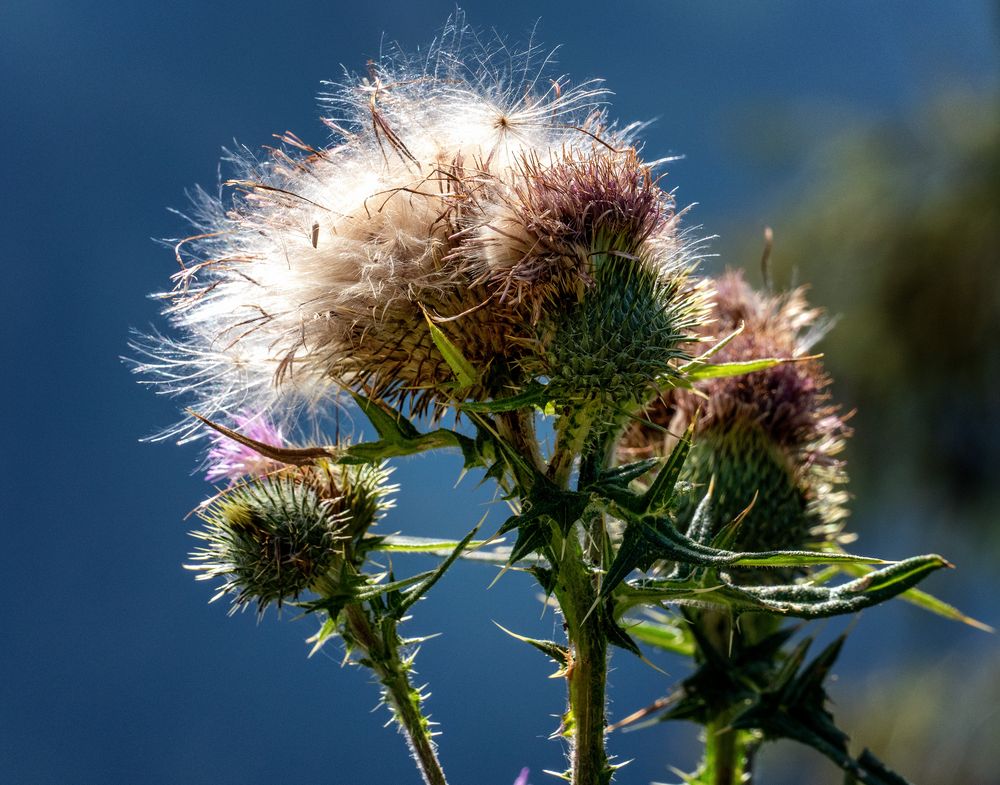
383 657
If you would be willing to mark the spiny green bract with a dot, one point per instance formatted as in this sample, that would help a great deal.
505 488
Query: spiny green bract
623 334
748 469
269 539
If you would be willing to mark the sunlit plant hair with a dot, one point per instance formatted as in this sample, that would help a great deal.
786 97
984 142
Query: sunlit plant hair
479 201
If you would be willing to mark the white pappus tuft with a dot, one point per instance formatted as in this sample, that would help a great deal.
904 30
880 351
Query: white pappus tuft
316 271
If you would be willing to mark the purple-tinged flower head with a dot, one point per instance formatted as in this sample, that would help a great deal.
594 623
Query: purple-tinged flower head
522 778
228 459
771 435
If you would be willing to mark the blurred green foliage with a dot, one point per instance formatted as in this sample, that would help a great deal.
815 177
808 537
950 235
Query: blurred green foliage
896 229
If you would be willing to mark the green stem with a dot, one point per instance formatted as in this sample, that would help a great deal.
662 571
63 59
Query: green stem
588 672
723 745
384 659
720 754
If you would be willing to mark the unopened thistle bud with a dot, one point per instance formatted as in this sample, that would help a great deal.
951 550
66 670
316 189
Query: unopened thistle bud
770 438
271 538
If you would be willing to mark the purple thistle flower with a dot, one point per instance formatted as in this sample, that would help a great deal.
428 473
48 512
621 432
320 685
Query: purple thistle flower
228 459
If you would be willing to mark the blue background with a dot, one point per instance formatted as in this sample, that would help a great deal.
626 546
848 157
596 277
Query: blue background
114 668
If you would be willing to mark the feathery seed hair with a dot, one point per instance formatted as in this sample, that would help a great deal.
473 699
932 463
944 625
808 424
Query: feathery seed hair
476 197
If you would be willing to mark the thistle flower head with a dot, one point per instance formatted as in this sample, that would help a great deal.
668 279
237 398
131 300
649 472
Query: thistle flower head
230 460
768 438
271 538
479 198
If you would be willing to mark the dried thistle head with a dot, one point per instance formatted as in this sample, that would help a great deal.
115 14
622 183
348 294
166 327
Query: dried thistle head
556 215
464 195
771 437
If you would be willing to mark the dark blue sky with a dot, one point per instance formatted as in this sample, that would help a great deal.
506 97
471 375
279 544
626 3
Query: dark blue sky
114 668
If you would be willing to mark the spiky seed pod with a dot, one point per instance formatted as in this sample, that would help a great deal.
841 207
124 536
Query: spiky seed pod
271 538
462 194
772 434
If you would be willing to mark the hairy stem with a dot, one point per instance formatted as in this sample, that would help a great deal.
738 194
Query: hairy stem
384 659
720 754
587 675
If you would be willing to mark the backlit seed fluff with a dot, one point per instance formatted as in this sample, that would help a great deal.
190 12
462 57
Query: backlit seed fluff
477 197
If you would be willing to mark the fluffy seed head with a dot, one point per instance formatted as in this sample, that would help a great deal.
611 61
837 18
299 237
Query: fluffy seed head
478 197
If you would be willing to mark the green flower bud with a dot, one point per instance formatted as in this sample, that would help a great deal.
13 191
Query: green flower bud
272 538
769 439
619 339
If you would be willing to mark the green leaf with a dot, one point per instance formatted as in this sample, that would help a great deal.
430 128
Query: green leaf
617 636
696 371
399 436
559 654
398 543
418 591
535 394
926 601
328 630
531 537
662 636
547 501
793 706
662 490
464 371
624 474
798 600
633 551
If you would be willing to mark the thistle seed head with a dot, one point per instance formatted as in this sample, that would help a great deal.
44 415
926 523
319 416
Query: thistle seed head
473 196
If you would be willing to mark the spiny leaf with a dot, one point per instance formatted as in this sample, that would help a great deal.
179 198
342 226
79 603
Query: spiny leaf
325 632
418 591
697 371
633 551
926 601
399 436
617 636
530 537
398 543
802 601
559 654
546 500
662 489
661 636
624 474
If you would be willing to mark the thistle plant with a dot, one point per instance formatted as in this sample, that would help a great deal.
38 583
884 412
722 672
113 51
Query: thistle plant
478 246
